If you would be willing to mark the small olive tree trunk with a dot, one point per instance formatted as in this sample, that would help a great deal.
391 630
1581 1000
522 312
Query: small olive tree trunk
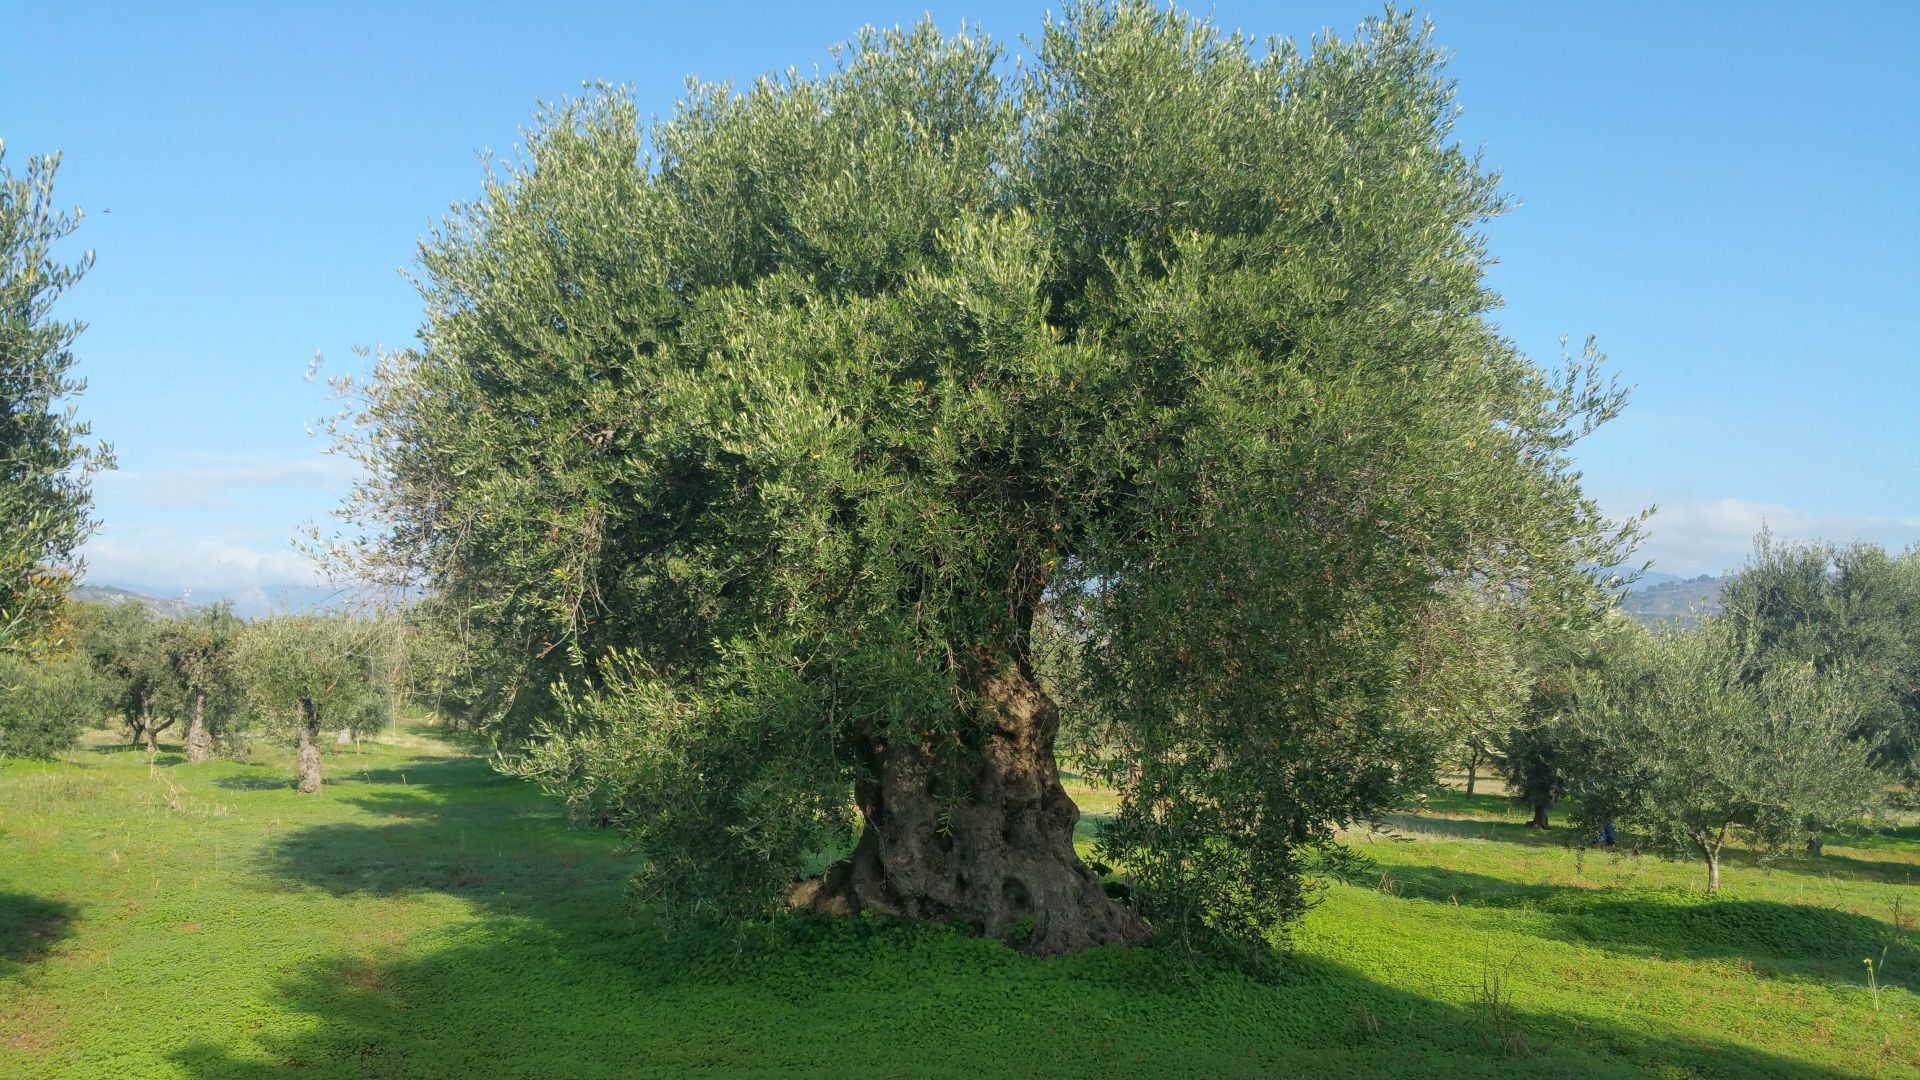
1710 846
199 740
1814 843
153 729
143 725
1539 816
344 738
309 756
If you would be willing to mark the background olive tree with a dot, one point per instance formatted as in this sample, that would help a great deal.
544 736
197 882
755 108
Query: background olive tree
1467 676
1544 741
124 643
307 673
46 702
1688 752
1851 607
768 431
203 683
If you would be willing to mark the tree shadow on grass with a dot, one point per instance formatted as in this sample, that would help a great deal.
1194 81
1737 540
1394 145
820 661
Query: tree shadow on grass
1797 940
457 827
1834 863
424 772
117 748
588 995
1894 836
255 781
342 774
1844 867
1469 828
29 927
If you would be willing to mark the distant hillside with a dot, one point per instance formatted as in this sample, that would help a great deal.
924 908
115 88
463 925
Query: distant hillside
1679 601
107 594
249 602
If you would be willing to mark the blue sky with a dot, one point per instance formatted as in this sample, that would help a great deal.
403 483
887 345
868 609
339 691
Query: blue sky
1723 194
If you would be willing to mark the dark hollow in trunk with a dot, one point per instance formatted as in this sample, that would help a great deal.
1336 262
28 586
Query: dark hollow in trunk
1004 855
308 759
199 740
1539 817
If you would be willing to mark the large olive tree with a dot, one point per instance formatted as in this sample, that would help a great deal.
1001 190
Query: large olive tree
771 426
46 463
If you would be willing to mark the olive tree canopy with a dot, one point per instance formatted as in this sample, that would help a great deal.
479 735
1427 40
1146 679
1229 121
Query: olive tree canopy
46 464
770 426
1679 743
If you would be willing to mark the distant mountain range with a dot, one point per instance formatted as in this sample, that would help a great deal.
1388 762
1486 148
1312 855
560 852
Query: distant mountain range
107 594
1656 598
1668 598
249 602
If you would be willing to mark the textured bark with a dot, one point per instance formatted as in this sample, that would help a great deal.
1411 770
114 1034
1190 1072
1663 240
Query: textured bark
143 726
308 760
1539 817
1002 855
199 740
1711 845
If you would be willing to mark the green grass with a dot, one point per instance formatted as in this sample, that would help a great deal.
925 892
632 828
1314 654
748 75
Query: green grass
426 917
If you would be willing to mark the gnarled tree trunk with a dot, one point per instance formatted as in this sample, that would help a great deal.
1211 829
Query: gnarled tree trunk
308 759
344 738
1814 843
1539 816
1004 855
199 740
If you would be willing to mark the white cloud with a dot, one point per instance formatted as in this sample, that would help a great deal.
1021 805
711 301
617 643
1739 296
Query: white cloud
207 480
215 522
1690 536
179 563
